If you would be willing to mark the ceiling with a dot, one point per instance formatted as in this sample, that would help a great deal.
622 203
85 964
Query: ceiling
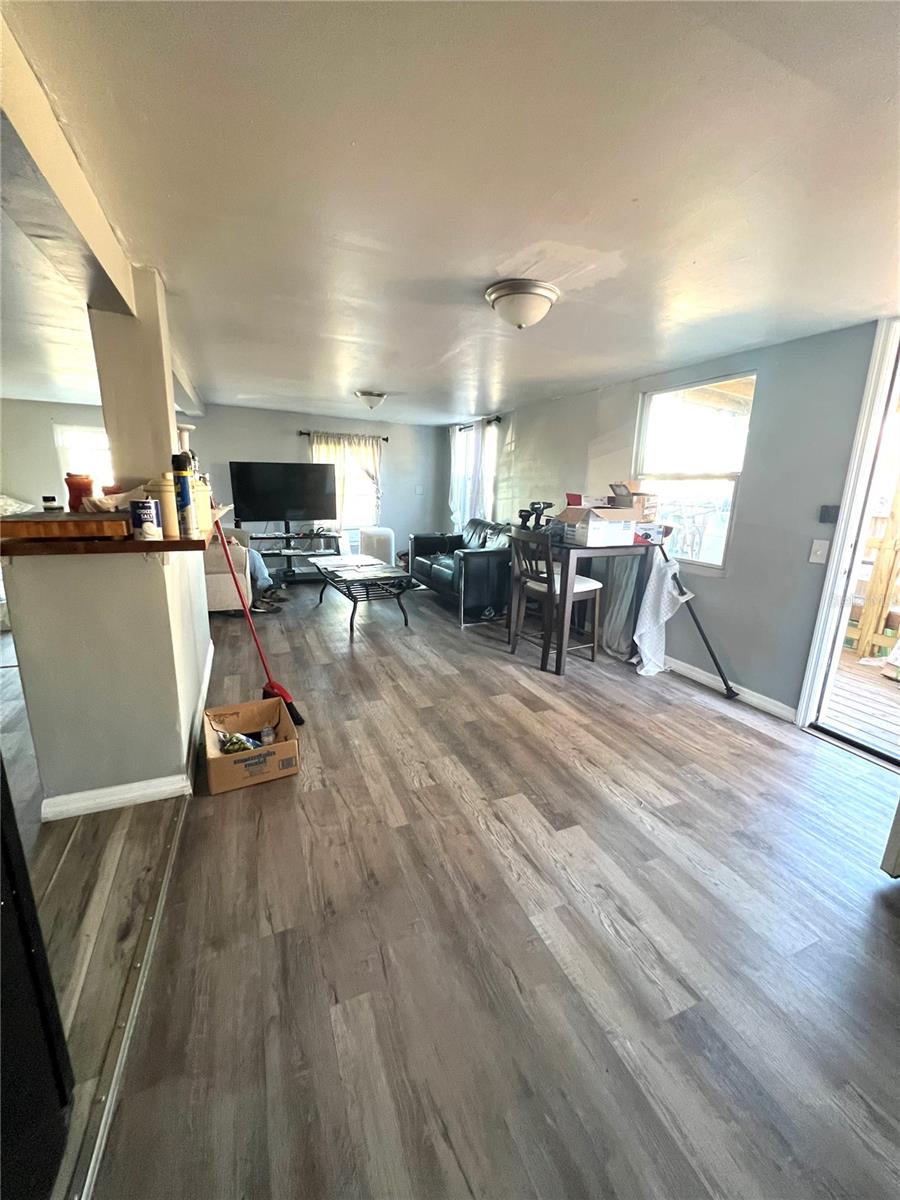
328 188
45 337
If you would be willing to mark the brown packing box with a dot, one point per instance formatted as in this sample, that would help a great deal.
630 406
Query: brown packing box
596 526
225 772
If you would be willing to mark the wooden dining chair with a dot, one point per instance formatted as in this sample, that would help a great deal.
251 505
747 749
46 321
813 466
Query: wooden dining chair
536 577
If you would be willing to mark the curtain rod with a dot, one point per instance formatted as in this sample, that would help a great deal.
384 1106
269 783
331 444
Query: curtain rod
309 433
488 421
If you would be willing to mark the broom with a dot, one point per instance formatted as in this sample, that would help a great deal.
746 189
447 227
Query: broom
272 689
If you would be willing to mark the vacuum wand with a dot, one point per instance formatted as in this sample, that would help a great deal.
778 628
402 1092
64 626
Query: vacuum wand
730 692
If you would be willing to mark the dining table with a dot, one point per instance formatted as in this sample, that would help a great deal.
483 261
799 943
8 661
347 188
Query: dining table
573 558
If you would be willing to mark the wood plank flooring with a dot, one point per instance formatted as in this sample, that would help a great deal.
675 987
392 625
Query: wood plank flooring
92 878
17 748
864 705
513 936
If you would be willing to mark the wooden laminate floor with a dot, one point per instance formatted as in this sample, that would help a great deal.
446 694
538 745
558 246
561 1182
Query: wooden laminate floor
513 936
17 748
864 706
92 877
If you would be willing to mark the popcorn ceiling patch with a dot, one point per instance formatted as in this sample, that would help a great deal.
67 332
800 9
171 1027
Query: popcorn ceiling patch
571 268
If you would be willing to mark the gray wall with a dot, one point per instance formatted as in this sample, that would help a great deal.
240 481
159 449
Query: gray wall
415 457
29 467
760 611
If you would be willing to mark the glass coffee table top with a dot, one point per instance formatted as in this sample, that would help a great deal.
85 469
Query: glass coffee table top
357 566
360 577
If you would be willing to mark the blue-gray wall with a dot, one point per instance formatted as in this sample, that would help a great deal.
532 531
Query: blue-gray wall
761 610
415 463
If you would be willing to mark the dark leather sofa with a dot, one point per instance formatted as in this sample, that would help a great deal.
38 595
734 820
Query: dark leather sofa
472 567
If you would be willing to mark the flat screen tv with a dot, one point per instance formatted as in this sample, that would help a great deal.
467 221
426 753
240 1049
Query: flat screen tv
264 491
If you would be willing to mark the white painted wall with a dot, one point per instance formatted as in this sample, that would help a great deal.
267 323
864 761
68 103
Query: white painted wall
113 650
760 611
96 654
185 584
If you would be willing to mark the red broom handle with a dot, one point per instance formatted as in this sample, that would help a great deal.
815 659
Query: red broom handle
243 600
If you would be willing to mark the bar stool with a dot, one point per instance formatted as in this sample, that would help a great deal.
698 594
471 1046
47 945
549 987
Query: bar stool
536 577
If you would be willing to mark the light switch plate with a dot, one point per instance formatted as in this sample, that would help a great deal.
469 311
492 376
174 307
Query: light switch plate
819 552
420 490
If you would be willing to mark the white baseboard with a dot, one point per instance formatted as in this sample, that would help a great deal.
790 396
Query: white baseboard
73 804
755 699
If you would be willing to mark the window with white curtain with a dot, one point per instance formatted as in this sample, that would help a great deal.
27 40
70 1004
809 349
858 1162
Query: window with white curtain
473 471
357 475
84 450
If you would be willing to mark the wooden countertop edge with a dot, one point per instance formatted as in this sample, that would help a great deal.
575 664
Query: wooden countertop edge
34 547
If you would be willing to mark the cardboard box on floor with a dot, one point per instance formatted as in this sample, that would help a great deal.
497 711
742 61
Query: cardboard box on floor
225 772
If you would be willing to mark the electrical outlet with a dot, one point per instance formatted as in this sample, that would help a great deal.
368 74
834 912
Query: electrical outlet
819 551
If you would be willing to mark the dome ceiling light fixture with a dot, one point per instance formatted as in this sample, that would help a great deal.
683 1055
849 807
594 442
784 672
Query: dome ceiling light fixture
371 399
521 302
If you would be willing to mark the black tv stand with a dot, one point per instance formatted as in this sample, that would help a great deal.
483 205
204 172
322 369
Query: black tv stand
292 550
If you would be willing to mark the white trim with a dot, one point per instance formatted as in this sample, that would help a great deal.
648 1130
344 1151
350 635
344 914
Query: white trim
73 804
197 721
846 531
890 864
755 699
115 1083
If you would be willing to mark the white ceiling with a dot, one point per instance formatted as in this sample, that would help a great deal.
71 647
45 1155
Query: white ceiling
328 188
44 332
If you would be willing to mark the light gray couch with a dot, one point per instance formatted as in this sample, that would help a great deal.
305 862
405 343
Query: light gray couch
220 593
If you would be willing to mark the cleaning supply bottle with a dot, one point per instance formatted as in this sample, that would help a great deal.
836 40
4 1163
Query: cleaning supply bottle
203 503
184 444
182 471
163 490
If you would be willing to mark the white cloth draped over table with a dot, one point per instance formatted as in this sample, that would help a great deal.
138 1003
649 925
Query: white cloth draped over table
661 601
350 453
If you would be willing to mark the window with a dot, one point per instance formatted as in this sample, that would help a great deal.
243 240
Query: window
357 475
473 470
690 453
360 496
83 450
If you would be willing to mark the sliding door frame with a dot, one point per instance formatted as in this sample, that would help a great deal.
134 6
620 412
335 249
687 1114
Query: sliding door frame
880 383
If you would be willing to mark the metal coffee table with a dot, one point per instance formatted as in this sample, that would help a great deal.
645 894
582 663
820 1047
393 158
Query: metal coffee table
359 577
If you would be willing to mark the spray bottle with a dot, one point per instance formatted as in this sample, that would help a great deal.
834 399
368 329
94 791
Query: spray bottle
183 473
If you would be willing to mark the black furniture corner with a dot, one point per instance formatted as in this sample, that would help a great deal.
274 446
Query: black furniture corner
37 1079
472 567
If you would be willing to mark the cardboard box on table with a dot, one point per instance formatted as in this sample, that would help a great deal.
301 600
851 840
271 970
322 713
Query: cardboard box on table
596 526
634 504
225 772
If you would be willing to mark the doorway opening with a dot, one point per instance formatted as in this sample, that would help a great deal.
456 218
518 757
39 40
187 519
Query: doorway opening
852 688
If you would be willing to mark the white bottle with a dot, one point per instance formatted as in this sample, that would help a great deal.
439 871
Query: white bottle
163 490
